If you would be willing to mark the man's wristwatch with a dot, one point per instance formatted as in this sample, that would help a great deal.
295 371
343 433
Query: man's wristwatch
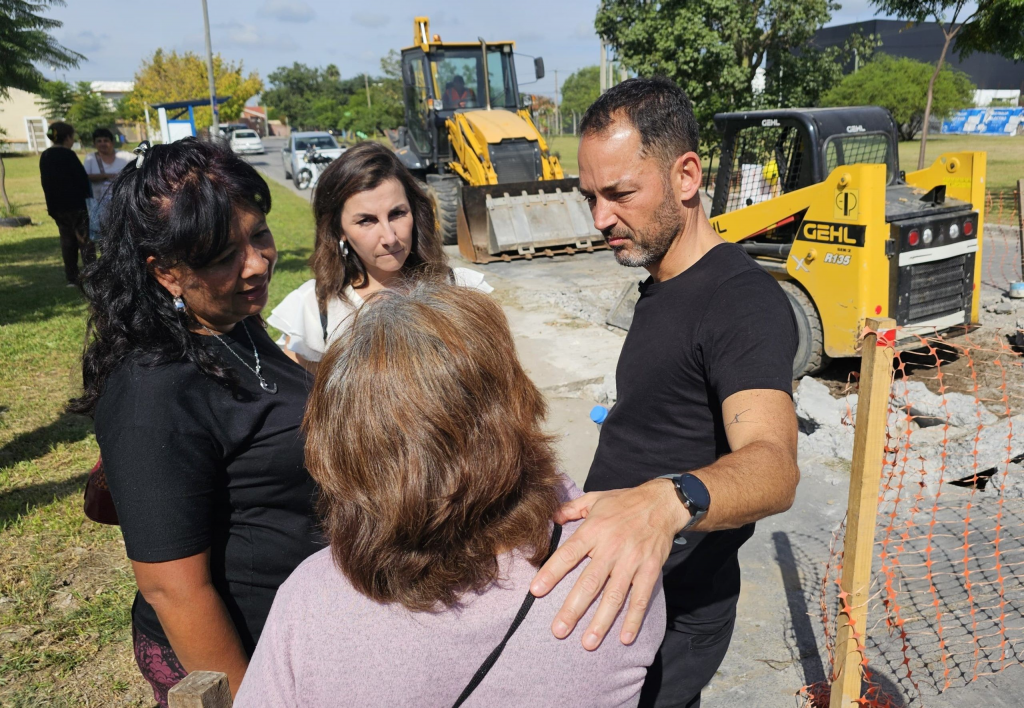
693 495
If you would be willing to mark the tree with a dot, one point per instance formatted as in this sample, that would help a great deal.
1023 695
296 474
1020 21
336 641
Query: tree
995 26
309 97
901 85
25 40
580 90
56 98
319 99
711 48
180 77
803 77
78 105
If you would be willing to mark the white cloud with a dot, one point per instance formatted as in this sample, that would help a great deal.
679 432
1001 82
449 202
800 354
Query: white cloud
86 41
585 30
373 20
288 11
239 34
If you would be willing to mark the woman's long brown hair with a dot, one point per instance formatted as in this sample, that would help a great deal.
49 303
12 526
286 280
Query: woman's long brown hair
424 434
359 169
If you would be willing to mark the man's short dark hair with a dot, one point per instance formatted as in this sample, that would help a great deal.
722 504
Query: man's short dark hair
102 133
659 110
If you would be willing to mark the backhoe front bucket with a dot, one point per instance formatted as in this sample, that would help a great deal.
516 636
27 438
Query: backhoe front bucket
525 219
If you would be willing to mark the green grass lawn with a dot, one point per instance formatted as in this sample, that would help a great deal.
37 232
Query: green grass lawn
65 585
1005 155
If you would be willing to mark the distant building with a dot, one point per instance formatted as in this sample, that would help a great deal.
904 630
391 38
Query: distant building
256 118
995 76
21 117
113 91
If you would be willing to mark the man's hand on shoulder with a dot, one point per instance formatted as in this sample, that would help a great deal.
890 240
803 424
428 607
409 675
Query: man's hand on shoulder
627 534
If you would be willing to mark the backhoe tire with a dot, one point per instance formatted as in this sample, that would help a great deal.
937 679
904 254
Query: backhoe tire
810 350
446 193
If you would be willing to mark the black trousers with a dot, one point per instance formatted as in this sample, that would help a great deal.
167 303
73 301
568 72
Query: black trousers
74 238
684 665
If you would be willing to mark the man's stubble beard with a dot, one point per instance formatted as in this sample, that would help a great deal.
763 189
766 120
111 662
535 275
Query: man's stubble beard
649 245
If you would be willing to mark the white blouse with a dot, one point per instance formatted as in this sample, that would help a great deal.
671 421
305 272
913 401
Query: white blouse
298 315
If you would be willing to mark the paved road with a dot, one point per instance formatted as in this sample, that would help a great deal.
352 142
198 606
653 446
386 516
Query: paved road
272 166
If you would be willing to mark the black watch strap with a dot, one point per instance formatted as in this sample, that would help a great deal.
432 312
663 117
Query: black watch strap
693 495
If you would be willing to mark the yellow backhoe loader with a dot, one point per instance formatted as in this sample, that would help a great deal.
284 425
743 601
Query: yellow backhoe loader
817 197
498 190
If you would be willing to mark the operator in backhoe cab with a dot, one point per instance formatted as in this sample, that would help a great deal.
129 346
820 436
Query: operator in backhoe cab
702 440
458 95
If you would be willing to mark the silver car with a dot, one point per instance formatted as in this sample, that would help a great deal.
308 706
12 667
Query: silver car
293 155
246 142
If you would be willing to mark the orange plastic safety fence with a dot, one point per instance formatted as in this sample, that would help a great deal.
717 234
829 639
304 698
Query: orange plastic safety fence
947 595
1001 240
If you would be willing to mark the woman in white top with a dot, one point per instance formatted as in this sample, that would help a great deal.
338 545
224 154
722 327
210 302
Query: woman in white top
105 164
375 227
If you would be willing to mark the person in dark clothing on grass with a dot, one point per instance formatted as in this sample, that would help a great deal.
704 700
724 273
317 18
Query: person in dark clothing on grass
197 411
66 187
702 440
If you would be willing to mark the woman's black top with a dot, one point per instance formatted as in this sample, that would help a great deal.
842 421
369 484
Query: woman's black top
193 464
65 184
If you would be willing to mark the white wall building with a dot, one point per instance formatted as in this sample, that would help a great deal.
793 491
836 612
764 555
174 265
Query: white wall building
22 119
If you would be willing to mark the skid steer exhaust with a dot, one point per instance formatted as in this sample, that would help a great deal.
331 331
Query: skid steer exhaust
525 219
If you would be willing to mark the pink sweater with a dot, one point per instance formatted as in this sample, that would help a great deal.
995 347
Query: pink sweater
324 644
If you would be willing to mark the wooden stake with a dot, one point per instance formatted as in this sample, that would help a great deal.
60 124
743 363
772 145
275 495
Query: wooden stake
862 508
1020 222
201 689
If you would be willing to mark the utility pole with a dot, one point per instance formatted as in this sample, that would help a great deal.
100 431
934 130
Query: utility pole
215 125
366 82
604 66
558 110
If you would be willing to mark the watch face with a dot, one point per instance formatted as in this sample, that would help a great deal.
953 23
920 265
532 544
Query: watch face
695 491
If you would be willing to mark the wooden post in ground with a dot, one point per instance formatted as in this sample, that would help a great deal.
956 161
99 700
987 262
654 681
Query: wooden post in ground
1020 222
201 689
865 476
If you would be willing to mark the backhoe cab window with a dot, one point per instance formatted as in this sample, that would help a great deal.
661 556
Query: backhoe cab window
416 102
460 78
867 148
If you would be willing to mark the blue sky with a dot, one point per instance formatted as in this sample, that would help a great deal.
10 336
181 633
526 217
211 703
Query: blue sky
265 34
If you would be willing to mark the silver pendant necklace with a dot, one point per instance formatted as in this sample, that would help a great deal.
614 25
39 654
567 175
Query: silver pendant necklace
268 387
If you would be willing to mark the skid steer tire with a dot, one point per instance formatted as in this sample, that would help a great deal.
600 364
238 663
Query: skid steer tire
445 192
810 350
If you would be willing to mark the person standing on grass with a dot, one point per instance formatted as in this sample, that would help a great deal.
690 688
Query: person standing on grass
702 440
197 412
103 166
66 187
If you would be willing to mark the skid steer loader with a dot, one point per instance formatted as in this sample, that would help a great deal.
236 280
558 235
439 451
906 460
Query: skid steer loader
498 191
817 197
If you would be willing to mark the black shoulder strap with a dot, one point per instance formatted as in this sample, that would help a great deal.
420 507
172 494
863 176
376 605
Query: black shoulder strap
323 323
556 534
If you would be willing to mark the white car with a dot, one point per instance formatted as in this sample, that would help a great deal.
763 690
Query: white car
246 142
293 155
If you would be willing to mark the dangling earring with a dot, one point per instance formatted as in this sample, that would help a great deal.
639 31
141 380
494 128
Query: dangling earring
179 305
344 247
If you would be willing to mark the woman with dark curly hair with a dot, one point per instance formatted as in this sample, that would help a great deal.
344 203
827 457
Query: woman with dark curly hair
375 227
439 484
197 411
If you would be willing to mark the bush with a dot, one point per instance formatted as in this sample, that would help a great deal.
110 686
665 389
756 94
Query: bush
901 85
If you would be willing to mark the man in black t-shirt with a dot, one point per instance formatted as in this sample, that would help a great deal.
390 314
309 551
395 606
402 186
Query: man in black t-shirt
702 440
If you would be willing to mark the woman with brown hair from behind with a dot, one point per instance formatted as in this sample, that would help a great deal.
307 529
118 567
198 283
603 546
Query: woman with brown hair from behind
375 228
438 486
